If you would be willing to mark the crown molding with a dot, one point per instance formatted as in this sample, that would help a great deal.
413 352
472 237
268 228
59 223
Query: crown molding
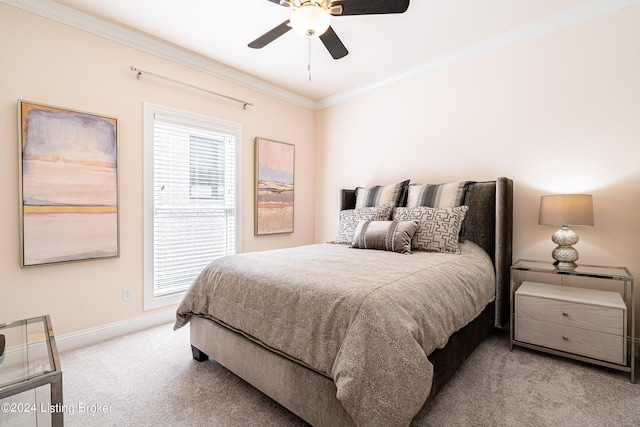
576 15
83 21
66 15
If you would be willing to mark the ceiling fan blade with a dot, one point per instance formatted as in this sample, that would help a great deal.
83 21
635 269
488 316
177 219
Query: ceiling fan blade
333 44
270 35
370 7
278 2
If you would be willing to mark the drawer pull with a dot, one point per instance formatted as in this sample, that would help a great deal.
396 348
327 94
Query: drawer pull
565 314
566 338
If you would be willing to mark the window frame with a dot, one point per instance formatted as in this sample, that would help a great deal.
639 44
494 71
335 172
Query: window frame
151 301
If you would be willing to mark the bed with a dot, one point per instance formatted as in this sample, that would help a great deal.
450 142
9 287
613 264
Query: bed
342 336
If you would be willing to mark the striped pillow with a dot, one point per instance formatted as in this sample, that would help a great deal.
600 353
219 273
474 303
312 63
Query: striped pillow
379 195
437 195
438 228
394 236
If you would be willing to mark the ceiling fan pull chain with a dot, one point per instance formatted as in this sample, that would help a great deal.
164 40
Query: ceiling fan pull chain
309 59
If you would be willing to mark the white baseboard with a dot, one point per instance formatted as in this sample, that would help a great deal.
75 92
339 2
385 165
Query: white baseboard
94 335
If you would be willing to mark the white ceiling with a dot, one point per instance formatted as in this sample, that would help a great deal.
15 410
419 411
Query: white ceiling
380 46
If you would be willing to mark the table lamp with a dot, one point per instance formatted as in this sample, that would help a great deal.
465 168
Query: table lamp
565 210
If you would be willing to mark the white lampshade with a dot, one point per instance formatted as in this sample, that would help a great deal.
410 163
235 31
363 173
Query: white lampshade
566 209
310 20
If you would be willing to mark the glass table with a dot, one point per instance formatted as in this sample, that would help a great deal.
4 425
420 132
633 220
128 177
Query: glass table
30 360
600 273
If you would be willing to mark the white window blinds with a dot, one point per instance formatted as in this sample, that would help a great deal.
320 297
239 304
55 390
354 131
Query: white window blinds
194 198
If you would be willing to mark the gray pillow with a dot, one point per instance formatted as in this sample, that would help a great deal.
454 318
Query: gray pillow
349 219
437 195
392 236
377 195
438 229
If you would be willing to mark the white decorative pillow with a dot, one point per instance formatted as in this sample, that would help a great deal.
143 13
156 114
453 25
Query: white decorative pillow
437 195
392 236
438 229
379 195
349 219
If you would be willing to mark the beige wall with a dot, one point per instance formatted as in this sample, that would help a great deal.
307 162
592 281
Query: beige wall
558 114
47 62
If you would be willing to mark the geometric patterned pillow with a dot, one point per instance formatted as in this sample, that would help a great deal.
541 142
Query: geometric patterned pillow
437 195
392 236
438 228
349 219
377 195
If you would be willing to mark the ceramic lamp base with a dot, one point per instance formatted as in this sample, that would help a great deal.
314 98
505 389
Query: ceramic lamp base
563 265
565 254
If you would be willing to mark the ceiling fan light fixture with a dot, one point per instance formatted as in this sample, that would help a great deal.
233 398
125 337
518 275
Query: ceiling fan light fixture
310 20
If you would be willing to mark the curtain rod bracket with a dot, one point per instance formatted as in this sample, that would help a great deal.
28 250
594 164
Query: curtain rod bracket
140 72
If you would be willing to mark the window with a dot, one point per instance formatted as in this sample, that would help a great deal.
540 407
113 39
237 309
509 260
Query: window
206 168
191 199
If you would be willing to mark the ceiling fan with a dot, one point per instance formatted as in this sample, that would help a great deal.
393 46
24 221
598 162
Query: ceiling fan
312 18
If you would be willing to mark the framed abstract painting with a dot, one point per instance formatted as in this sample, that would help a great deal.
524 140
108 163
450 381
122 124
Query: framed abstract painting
68 185
274 187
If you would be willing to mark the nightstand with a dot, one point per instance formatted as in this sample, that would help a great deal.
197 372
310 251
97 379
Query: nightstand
587 323
30 362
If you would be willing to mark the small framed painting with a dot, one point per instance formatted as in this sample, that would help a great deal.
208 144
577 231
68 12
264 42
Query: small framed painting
68 185
274 187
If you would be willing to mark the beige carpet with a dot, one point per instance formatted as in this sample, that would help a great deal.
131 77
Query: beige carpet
150 379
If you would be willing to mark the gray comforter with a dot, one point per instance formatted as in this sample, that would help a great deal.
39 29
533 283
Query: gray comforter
365 318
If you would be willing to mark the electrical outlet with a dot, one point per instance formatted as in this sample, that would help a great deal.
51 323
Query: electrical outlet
127 294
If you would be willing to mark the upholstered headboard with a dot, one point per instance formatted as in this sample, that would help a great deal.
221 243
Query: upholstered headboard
488 223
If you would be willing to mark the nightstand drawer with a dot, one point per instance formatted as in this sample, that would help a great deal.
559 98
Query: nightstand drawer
597 345
580 315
